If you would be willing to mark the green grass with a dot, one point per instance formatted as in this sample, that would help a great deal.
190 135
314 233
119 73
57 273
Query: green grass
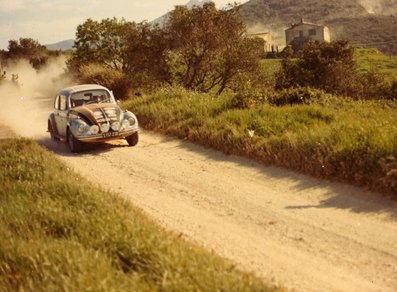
270 66
368 60
373 60
60 233
335 138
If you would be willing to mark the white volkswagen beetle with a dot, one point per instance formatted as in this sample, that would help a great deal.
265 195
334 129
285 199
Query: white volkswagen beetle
89 113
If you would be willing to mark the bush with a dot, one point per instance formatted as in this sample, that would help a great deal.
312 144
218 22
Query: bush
327 66
393 90
301 95
110 78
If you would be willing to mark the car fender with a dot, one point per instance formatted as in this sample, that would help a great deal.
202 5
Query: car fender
51 119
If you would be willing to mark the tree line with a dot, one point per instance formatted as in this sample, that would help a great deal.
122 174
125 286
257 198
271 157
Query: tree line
201 49
206 50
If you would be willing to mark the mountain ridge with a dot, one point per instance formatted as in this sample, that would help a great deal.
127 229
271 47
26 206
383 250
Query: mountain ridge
368 23
61 46
362 22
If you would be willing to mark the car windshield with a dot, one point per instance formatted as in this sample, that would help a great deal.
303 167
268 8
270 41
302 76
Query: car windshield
90 96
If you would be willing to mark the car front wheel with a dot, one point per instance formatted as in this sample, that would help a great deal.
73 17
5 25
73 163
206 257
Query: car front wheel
133 139
74 144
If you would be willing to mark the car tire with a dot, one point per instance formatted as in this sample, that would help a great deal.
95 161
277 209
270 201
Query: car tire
133 139
51 131
74 144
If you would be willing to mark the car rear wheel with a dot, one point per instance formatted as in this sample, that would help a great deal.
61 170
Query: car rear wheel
133 139
74 144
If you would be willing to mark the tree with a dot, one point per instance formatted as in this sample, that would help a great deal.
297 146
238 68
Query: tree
146 55
100 42
327 66
29 49
208 47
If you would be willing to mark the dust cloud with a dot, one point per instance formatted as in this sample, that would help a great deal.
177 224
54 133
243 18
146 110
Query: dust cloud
382 7
26 103
372 6
277 32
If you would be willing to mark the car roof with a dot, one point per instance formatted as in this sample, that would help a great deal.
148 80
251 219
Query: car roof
83 87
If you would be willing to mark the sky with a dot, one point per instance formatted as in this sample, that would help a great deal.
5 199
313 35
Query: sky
51 21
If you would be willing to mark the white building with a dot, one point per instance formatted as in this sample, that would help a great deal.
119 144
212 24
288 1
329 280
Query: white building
303 31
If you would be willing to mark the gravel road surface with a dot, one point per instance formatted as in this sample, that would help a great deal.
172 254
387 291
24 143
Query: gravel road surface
291 229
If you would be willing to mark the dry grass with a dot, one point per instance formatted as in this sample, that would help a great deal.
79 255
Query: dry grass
334 138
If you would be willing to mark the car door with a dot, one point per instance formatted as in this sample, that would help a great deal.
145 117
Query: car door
60 114
57 121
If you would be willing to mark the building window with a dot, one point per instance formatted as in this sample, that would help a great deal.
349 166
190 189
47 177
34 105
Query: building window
301 33
312 32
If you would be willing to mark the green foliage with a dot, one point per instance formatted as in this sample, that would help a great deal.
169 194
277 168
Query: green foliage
146 56
323 135
100 42
331 67
372 60
328 66
28 49
207 47
301 95
200 48
59 233
108 77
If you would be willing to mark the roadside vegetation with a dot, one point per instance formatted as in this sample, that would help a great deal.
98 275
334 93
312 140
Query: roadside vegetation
372 60
319 134
328 109
60 233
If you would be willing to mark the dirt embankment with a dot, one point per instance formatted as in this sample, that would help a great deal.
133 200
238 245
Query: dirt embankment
304 233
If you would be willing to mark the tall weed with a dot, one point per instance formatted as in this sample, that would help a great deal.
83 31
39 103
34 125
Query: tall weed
324 135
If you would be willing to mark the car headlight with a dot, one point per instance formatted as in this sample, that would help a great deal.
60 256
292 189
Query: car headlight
131 120
82 128
94 129
125 124
116 126
105 128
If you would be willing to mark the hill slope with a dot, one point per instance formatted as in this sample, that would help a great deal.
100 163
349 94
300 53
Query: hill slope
364 22
62 45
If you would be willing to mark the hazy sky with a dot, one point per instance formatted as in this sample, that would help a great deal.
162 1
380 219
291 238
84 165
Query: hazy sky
50 21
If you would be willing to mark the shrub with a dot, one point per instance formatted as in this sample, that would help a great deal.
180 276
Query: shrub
393 90
108 77
301 95
327 66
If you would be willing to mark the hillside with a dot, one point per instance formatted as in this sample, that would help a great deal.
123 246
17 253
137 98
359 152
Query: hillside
62 45
365 22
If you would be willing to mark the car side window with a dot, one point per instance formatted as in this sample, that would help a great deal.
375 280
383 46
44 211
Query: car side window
56 103
62 103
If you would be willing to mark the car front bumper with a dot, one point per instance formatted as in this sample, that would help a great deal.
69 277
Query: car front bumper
102 137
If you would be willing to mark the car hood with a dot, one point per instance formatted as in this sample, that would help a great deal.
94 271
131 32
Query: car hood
98 113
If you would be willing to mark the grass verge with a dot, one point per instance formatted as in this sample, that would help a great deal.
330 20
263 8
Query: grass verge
59 233
334 138
373 60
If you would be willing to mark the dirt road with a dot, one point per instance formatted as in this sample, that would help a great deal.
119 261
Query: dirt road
303 233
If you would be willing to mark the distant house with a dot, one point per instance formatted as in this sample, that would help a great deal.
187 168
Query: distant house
301 32
269 45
